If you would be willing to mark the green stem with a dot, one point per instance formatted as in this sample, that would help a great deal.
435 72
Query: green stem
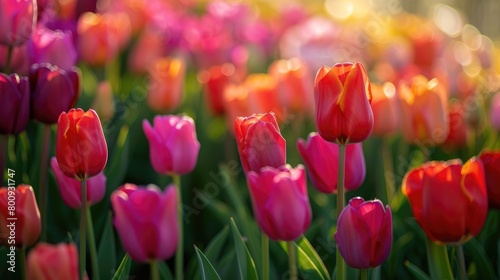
363 274
22 258
179 255
83 230
390 188
292 260
438 262
92 245
340 206
9 59
461 262
44 163
155 272
265 257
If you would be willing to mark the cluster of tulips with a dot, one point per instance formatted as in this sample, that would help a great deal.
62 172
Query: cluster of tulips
58 57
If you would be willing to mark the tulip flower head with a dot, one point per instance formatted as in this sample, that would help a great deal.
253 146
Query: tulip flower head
495 112
280 201
47 262
385 110
364 233
448 199
14 103
81 149
166 81
146 221
491 162
17 21
342 97
259 142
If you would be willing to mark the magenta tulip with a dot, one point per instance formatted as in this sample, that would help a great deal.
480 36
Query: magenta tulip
54 47
146 221
321 159
173 146
14 103
17 21
364 233
280 202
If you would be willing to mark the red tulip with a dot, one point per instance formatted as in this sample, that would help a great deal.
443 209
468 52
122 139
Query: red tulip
491 162
49 262
27 217
81 149
364 233
448 200
14 103
342 97
259 142
146 221
457 136
280 201
385 110
214 80
17 21
321 159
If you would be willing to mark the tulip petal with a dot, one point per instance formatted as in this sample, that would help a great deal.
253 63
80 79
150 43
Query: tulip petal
382 240
264 146
473 185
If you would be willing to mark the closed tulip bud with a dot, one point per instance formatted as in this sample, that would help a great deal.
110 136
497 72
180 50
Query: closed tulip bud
424 113
342 97
321 158
17 21
495 112
53 47
491 162
14 104
27 226
146 221
81 149
173 146
385 110
259 142
53 91
166 80
280 201
49 262
71 190
364 233
448 200
457 135
214 81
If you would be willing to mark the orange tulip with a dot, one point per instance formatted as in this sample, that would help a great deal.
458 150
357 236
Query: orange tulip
263 94
423 108
166 78
385 111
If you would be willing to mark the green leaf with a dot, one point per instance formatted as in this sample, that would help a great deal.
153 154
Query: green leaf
483 262
309 259
246 265
124 269
165 272
207 270
416 271
215 246
117 165
106 253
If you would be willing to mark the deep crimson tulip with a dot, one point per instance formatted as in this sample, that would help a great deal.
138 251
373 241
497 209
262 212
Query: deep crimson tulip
17 21
14 103
321 159
448 200
48 262
81 149
146 221
173 146
259 142
491 162
364 233
27 223
53 91
71 191
342 97
280 202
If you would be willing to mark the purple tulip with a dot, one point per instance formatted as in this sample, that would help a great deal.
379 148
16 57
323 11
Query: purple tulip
14 103
53 47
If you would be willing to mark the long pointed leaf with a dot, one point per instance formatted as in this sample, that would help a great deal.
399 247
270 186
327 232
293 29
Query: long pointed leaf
246 265
123 270
207 270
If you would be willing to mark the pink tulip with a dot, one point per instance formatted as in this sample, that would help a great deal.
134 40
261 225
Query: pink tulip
47 262
17 21
54 47
280 202
321 159
146 221
364 233
173 146
70 188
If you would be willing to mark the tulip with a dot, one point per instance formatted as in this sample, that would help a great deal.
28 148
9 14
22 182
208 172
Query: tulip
27 223
495 112
423 108
321 159
259 142
81 149
280 202
263 94
385 110
17 21
53 91
146 221
103 102
48 262
53 47
448 200
342 96
166 78
457 136
148 49
70 188
235 103
214 80
491 162
173 146
19 61
14 103
364 233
